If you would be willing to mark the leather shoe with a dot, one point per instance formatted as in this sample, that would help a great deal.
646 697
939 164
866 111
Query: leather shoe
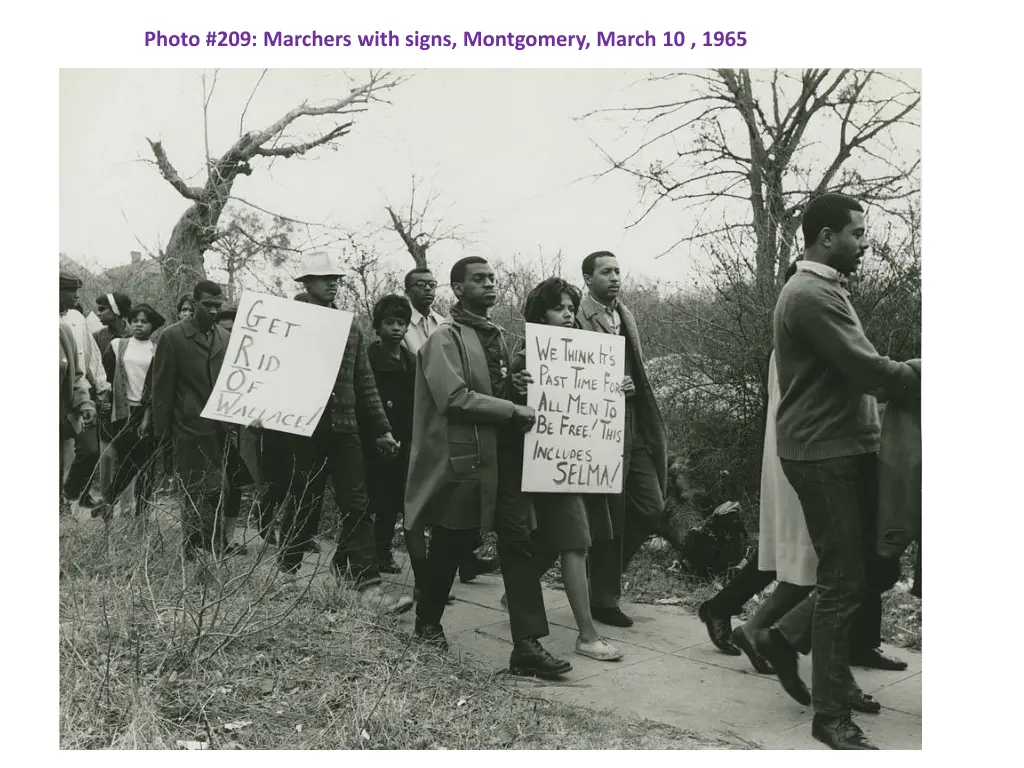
782 656
839 733
863 702
875 659
612 616
530 659
430 634
741 640
719 629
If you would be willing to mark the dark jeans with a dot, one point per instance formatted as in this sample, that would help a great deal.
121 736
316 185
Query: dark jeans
83 466
449 548
840 503
866 624
328 454
644 505
747 582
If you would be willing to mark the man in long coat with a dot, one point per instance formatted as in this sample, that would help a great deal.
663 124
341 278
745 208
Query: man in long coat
622 522
465 469
187 362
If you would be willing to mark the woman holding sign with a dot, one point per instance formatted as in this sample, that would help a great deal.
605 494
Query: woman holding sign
562 524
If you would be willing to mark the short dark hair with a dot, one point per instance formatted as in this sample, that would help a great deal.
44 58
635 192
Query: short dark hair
153 317
590 262
831 210
186 299
207 287
548 295
124 304
411 275
458 274
228 313
391 306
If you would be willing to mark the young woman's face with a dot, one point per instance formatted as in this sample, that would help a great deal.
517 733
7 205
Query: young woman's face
185 312
562 314
392 329
142 329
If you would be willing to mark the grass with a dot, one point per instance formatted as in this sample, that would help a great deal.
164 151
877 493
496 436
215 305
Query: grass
654 576
159 654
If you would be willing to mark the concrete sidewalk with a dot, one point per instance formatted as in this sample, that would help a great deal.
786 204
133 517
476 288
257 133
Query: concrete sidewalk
672 674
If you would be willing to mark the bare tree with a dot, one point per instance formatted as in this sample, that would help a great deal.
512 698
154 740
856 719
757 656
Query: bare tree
252 245
368 279
722 135
196 230
417 228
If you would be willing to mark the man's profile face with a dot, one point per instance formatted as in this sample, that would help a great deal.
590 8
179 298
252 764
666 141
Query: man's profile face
605 282
68 298
478 287
849 245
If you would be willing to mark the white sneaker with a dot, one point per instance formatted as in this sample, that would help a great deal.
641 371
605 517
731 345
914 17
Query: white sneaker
600 649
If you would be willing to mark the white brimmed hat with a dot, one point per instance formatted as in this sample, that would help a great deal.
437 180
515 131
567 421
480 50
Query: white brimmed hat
318 264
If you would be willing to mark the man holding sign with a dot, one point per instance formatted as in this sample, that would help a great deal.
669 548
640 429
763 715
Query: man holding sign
634 514
334 450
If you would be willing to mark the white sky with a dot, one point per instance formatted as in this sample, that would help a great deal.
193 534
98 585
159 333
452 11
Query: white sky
499 146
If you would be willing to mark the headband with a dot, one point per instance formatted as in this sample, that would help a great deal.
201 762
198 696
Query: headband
113 304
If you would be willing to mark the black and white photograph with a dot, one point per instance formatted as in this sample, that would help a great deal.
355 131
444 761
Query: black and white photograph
487 409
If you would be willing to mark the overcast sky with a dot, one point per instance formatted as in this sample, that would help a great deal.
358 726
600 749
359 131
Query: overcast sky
500 147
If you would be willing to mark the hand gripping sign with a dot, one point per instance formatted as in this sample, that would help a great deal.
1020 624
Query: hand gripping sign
577 442
281 364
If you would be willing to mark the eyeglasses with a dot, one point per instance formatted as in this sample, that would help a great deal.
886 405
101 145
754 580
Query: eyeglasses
425 284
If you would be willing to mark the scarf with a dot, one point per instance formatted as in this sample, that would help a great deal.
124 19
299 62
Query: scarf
499 362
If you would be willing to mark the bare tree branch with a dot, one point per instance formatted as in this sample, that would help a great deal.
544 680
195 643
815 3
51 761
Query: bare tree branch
171 175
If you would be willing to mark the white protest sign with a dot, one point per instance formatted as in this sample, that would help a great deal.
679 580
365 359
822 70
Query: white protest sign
576 444
281 364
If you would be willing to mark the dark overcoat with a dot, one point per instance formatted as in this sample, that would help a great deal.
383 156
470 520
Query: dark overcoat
185 371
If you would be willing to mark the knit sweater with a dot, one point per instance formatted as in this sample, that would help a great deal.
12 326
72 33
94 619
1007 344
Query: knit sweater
827 371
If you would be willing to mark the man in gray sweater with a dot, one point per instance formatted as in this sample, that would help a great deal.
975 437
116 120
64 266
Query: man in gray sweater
828 439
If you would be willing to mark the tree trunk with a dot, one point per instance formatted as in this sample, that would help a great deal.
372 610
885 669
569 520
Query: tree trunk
183 263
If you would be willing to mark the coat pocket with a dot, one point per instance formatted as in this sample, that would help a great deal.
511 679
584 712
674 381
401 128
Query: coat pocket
464 456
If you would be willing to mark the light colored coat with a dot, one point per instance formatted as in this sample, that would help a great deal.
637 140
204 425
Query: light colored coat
74 387
455 423
784 545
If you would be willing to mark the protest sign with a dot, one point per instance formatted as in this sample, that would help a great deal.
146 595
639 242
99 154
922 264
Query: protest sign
281 364
576 444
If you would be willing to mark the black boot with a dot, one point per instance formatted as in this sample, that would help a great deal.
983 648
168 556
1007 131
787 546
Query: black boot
529 659
839 733
430 634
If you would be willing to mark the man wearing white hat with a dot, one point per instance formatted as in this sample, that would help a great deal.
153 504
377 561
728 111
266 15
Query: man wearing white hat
334 450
